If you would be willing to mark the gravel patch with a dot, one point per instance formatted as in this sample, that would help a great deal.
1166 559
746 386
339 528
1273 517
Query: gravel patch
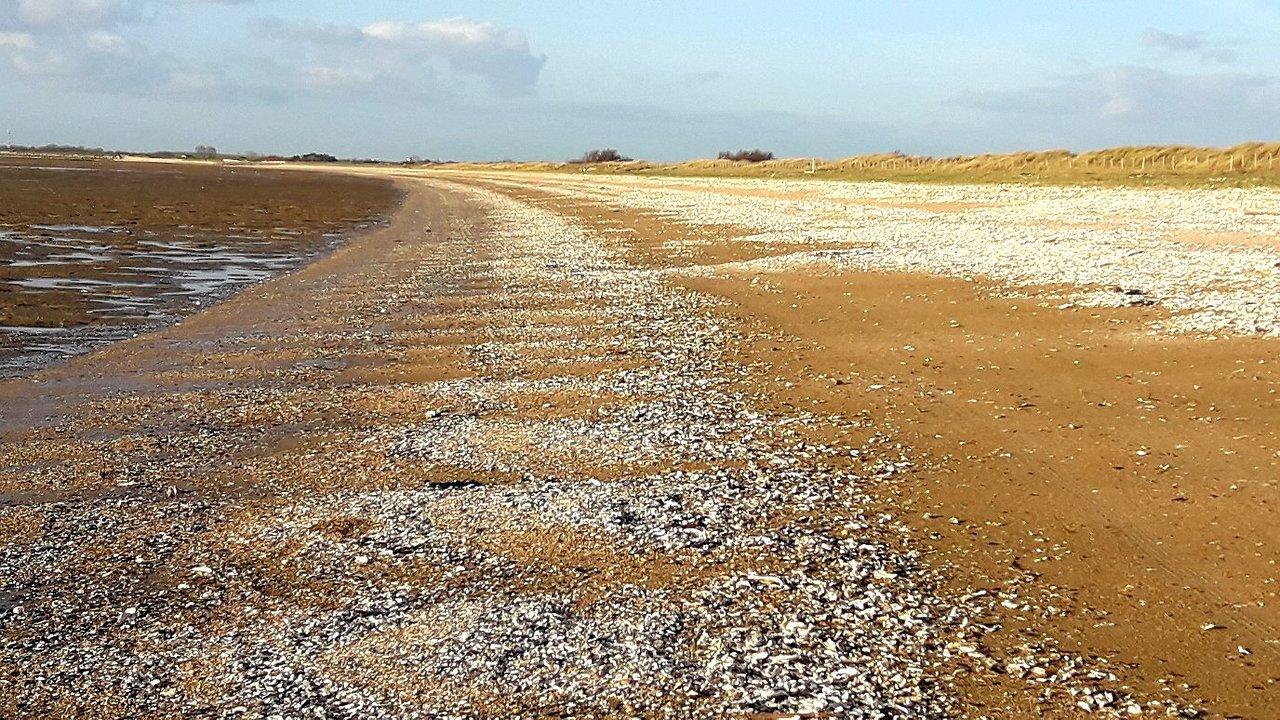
1120 246
672 550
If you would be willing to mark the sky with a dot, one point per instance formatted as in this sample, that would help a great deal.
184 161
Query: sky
528 79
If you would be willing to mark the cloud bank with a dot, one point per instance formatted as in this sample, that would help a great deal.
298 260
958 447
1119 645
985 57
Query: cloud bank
422 57
1187 44
88 45
1133 104
464 87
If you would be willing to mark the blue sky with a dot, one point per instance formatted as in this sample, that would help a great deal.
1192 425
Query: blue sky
659 80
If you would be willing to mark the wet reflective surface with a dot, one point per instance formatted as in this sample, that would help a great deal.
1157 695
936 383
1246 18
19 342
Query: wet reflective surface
96 252
124 282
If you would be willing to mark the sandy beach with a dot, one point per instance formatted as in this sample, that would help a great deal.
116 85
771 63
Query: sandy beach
554 445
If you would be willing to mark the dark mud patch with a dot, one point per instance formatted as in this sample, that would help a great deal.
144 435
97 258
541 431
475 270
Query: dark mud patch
92 252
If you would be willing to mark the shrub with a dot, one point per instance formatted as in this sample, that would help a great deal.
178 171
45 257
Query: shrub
601 156
754 156
314 157
61 149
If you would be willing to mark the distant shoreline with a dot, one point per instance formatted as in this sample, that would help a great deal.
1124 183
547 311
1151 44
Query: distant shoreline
1250 164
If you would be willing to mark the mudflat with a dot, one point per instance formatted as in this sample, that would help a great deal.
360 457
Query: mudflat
92 251
552 445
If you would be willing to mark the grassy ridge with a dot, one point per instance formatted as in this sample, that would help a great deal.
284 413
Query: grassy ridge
1163 165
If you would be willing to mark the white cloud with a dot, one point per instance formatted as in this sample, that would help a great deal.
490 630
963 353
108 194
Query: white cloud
1123 104
1173 42
96 60
89 13
67 43
455 31
336 77
1133 92
424 57
88 44
500 56
83 13
108 62
11 41
192 81
105 42
1187 43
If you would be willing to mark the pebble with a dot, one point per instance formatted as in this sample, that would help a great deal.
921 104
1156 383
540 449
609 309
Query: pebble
676 549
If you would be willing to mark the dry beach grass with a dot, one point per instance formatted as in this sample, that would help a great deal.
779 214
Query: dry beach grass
1246 164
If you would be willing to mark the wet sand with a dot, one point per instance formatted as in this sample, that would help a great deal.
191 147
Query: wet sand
95 251
1134 475
345 476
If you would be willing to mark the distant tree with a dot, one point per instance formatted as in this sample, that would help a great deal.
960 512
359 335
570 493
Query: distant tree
314 157
601 156
754 156
206 151
59 149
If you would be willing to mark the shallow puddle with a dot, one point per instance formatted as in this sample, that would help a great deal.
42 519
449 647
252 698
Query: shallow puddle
76 287
93 251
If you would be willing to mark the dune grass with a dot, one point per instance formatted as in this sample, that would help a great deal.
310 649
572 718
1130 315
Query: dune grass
1247 164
